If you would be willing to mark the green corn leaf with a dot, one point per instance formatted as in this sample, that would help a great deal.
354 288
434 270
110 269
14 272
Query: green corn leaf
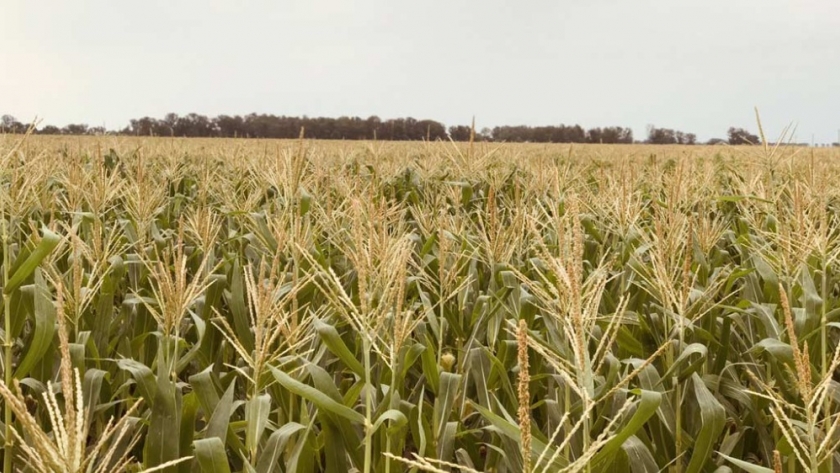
189 412
430 367
42 336
342 431
329 335
217 426
712 421
143 376
213 295
648 403
104 317
204 387
162 439
444 402
92 389
277 441
412 353
47 244
746 466
210 453
303 457
305 202
257 410
512 432
638 456
690 360
397 418
126 443
237 301
187 357
317 397
335 449
775 348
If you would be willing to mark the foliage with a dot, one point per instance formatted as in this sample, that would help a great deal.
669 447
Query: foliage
342 128
667 136
740 136
298 306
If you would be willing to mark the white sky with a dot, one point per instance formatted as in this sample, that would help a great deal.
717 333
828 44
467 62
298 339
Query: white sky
695 65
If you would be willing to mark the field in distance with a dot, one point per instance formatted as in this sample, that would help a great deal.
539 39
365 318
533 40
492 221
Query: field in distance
322 306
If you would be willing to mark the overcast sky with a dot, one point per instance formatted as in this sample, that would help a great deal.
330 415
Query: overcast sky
694 65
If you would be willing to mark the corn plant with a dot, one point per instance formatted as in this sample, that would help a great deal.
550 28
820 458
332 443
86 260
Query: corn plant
267 306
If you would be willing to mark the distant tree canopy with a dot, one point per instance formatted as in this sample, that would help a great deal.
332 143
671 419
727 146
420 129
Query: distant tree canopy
461 133
559 134
9 124
272 126
614 134
356 128
740 136
667 136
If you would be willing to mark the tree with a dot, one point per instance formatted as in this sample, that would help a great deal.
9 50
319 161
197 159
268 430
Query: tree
372 126
147 126
460 132
430 130
540 134
346 128
7 120
9 124
192 125
610 134
661 136
740 136
50 130
229 127
75 129
667 136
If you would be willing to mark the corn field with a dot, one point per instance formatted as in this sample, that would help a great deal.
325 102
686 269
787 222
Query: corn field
300 306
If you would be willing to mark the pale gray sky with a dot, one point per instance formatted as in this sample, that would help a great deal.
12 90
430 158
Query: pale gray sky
695 65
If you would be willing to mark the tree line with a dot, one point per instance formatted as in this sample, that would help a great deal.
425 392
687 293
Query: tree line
372 128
